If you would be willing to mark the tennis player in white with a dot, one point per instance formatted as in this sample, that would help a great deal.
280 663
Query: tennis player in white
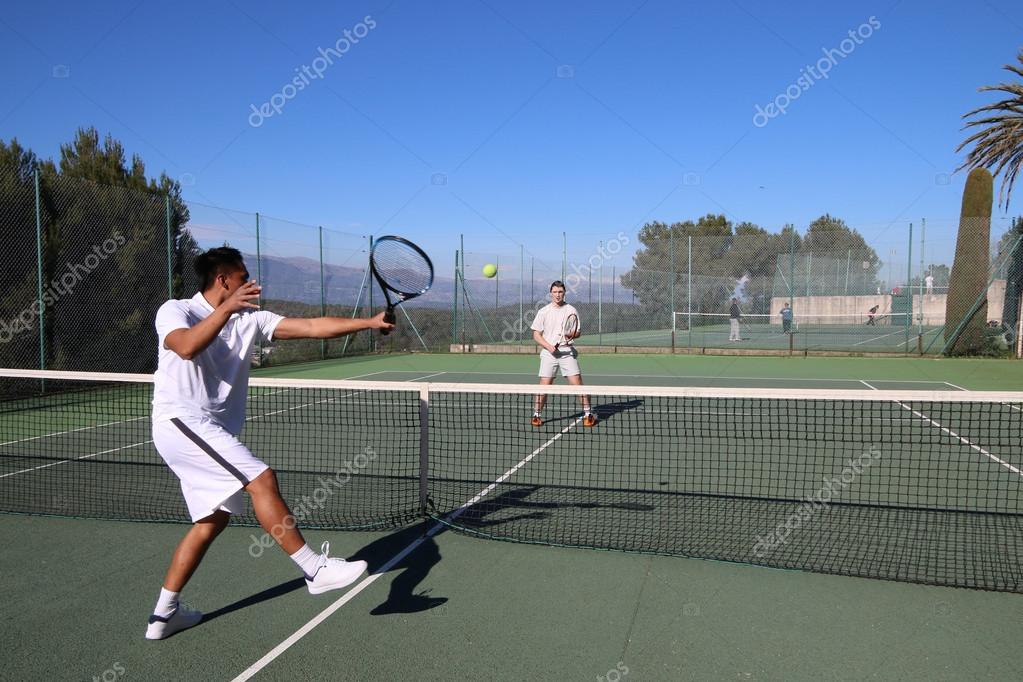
548 327
200 385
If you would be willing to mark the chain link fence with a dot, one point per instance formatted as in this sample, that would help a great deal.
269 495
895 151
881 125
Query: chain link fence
86 267
674 289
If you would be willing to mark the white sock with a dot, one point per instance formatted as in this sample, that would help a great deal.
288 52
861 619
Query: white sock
307 560
167 603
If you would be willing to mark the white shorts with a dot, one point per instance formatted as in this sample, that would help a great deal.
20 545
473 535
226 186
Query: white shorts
212 464
566 361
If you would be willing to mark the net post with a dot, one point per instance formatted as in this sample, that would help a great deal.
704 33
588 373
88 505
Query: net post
424 448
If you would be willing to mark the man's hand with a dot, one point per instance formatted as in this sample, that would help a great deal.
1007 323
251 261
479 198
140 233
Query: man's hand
377 322
242 298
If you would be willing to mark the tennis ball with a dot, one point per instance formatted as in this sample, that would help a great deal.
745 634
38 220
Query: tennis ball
489 270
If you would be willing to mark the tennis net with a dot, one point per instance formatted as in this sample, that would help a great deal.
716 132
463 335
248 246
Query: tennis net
914 486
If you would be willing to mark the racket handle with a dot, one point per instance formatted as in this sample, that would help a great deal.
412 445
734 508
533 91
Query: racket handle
389 318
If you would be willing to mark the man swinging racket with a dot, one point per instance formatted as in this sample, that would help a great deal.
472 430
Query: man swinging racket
555 327
200 386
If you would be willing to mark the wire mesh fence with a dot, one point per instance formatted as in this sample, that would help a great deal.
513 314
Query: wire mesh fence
676 290
86 267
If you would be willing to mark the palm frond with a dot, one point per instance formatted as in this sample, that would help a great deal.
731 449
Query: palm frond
998 144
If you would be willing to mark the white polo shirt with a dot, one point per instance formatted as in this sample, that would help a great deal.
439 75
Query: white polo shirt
550 321
214 384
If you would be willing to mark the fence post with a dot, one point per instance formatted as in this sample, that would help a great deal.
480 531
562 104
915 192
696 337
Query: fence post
909 286
600 299
170 247
522 268
671 286
39 276
323 297
689 291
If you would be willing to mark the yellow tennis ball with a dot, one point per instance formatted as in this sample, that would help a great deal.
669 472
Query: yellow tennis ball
489 270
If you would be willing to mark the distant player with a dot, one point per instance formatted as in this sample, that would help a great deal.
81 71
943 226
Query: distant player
786 319
871 314
929 283
734 315
555 327
200 386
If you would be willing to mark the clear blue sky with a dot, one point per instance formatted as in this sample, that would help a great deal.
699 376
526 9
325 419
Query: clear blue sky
654 119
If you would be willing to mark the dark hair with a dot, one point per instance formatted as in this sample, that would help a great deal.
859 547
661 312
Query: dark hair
214 261
557 283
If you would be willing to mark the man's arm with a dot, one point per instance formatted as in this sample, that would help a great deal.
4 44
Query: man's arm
188 342
327 327
538 337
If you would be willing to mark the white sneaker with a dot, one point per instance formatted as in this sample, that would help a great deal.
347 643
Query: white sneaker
333 573
182 619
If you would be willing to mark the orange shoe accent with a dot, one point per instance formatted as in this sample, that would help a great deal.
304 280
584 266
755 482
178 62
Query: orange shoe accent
590 420
536 421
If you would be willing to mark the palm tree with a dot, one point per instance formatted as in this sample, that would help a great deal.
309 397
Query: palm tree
998 145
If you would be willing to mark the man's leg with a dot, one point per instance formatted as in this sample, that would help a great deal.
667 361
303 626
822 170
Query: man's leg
273 513
577 380
169 616
192 548
541 398
322 572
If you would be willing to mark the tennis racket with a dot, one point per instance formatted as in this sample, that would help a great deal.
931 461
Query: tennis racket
402 269
568 331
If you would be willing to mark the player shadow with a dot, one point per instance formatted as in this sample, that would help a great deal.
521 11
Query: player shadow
402 596
517 500
604 411
608 411
253 599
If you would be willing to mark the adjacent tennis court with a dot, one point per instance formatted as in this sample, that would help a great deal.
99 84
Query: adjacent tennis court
707 473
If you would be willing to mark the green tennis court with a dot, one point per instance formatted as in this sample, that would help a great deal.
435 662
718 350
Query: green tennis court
703 476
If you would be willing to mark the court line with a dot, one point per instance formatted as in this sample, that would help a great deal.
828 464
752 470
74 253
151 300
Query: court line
274 653
958 388
76 459
878 338
962 440
955 435
63 433
145 442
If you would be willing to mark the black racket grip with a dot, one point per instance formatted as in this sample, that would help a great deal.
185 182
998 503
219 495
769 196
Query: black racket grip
389 318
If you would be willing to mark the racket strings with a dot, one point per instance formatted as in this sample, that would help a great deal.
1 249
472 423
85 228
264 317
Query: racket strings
402 267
